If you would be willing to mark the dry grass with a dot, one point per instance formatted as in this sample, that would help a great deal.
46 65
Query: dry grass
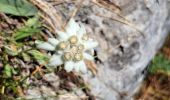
156 87
49 14
157 84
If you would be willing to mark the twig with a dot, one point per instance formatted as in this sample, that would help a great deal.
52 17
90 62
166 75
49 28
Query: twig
53 18
7 19
117 13
75 11
109 5
124 22
38 69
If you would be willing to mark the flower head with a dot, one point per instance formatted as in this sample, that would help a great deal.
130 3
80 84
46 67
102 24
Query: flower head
71 46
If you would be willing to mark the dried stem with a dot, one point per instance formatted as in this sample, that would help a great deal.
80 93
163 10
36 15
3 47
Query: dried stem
52 18
124 22
75 11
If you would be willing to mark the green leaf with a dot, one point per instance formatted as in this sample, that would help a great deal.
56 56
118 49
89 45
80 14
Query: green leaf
17 7
26 57
10 51
13 71
42 59
31 27
25 32
33 22
8 70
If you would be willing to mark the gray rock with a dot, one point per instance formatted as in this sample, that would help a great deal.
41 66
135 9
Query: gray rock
33 94
124 52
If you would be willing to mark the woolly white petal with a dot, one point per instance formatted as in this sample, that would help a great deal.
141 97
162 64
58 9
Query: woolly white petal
90 44
72 27
60 52
69 65
88 56
55 60
76 66
53 41
62 35
82 66
45 46
81 31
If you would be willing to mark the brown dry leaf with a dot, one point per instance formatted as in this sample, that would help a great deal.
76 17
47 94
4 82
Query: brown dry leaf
13 47
20 91
155 88
166 51
92 66
39 70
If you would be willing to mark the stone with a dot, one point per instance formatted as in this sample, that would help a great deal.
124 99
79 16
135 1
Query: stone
33 94
68 96
124 49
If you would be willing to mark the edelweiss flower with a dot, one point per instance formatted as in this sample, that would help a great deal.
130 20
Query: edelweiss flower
71 46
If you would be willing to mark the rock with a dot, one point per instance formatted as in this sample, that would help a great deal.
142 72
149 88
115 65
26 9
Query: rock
47 92
68 97
33 94
51 77
124 51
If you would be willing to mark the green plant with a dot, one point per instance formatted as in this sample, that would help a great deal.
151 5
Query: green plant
13 50
17 7
160 64
32 26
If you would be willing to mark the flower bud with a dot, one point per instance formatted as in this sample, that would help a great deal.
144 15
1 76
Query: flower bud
73 39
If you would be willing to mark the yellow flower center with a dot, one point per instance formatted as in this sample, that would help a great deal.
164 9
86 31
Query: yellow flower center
73 39
62 45
67 56
78 57
80 47
74 49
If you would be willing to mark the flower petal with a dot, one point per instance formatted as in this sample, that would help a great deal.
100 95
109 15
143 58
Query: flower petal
62 35
76 66
45 46
90 44
81 31
88 56
53 41
60 52
55 60
82 67
72 27
69 65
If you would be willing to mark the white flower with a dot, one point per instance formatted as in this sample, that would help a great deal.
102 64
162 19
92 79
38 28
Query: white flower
71 46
